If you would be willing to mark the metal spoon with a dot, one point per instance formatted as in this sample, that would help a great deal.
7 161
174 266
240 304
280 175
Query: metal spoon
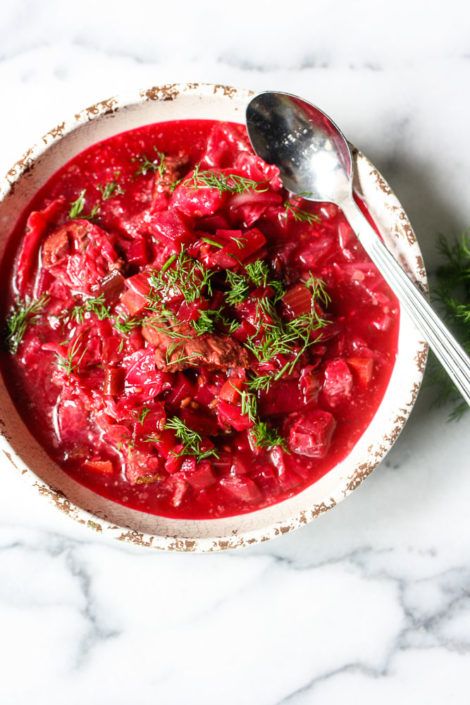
315 162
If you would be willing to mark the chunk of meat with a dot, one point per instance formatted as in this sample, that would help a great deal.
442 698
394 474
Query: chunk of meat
57 244
79 254
211 350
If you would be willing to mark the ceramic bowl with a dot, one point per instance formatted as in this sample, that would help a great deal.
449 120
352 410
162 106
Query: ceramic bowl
25 456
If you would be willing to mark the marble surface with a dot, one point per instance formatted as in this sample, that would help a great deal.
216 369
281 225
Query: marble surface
371 602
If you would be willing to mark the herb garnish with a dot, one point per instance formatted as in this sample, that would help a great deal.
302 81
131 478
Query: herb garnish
224 183
266 436
69 362
318 288
183 273
300 215
259 274
24 314
207 320
110 189
94 305
212 242
287 338
77 206
157 165
260 383
453 294
143 414
249 404
126 325
190 439
258 271
239 288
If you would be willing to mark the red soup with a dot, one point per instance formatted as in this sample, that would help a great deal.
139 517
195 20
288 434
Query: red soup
185 337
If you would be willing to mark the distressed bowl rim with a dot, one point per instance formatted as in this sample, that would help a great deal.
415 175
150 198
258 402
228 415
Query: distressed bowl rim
207 544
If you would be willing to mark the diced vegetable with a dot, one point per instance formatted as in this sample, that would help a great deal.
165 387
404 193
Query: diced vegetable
311 434
101 467
363 368
338 383
297 300
242 489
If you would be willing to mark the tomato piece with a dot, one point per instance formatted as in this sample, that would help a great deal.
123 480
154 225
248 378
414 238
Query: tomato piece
139 283
101 467
363 367
230 390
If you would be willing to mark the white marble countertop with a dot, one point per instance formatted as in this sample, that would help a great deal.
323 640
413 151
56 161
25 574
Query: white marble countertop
371 602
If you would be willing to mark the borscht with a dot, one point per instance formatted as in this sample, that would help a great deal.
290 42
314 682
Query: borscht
182 335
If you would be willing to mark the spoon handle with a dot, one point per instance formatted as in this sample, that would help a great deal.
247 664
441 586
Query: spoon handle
447 350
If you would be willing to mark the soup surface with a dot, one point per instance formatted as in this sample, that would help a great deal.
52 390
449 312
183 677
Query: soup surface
184 336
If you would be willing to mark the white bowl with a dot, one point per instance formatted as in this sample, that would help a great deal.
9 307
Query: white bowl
27 458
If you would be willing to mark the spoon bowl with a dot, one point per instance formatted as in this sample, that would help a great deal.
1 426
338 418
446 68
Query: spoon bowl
310 150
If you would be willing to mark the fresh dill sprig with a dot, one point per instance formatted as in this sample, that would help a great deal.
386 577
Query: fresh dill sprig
224 183
126 325
144 412
318 288
190 439
289 338
214 243
208 319
183 273
301 216
265 436
260 383
70 362
239 288
77 206
110 189
156 165
258 271
25 313
249 404
452 294
94 305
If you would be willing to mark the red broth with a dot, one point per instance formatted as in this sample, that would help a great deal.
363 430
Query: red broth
183 336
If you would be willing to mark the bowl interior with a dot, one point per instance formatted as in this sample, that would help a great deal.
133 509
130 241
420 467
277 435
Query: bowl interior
24 453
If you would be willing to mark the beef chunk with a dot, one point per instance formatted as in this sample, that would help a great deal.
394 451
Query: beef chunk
209 350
